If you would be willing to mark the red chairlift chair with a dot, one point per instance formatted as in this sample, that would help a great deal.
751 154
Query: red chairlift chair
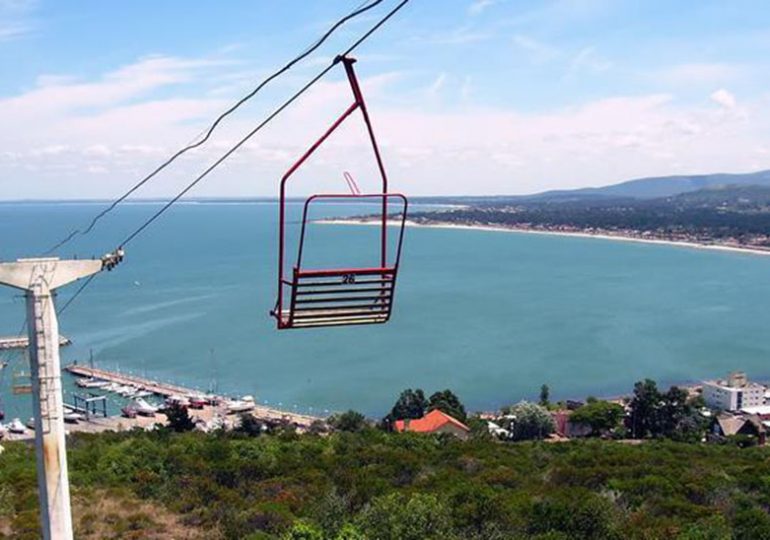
319 297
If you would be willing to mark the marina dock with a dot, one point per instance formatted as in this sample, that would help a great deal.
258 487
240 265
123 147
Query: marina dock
22 342
166 390
161 389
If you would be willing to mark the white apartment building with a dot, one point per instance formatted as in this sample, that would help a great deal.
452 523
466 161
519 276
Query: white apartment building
733 394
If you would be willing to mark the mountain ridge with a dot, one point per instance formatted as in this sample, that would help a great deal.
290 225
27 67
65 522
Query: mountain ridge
655 187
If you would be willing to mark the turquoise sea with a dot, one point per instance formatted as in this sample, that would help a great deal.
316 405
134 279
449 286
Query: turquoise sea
491 315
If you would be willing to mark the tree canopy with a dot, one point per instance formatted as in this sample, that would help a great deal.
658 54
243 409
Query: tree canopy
669 414
446 401
545 396
527 420
348 421
179 418
411 404
600 416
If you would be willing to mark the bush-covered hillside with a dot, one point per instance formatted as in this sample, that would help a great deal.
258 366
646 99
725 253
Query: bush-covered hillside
402 486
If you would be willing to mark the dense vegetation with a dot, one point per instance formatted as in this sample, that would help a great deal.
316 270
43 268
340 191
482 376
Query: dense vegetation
736 213
379 485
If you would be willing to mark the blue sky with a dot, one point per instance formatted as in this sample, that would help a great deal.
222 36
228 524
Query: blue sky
468 96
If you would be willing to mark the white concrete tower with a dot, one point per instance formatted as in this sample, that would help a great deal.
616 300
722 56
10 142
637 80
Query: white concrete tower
39 278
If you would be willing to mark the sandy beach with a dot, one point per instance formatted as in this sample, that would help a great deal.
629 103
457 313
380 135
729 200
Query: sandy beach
600 236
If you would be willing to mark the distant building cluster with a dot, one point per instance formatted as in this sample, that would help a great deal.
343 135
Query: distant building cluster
741 407
731 407
733 394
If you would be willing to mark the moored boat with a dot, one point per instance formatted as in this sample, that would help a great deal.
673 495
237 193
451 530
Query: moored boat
73 417
245 404
144 408
129 411
16 427
91 382
180 401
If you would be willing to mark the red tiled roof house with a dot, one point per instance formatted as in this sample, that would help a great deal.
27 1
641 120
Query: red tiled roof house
435 421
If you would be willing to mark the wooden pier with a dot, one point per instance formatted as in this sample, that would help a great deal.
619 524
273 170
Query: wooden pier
166 390
22 342
162 389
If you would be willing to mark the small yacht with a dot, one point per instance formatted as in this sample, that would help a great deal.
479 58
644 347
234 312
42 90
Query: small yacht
245 404
126 391
16 426
144 408
90 382
180 401
72 417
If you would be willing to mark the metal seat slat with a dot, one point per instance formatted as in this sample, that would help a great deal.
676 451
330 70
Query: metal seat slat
387 290
382 298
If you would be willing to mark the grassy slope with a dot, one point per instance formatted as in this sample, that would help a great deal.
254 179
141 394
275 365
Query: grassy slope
400 486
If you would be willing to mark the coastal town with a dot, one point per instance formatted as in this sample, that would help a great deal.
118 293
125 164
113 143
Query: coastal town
727 216
755 243
720 410
723 409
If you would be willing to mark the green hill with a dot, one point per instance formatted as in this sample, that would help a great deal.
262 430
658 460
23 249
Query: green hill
380 486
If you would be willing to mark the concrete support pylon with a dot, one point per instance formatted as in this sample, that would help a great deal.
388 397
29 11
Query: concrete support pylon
39 278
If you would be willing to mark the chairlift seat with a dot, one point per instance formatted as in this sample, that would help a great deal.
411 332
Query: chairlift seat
320 297
340 297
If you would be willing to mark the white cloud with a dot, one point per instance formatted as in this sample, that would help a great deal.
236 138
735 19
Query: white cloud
708 73
467 88
587 59
437 85
14 19
68 133
459 36
9 32
478 6
539 51
17 5
724 98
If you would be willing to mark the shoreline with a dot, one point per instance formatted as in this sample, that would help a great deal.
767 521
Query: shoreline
578 234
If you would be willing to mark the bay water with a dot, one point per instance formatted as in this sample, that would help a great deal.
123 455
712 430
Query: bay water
490 315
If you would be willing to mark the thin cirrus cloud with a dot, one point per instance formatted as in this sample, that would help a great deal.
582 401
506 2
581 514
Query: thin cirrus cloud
9 32
711 73
479 6
430 150
15 21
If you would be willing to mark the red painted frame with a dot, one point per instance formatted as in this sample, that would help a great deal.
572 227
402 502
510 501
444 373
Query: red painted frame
359 104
